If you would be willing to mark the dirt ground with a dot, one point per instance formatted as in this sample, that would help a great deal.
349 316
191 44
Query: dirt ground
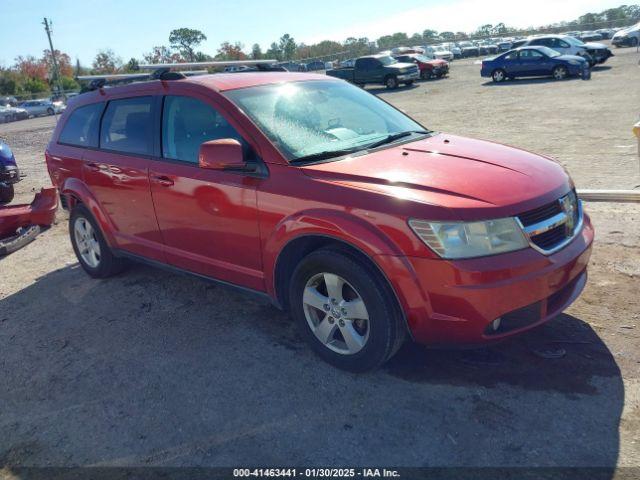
154 368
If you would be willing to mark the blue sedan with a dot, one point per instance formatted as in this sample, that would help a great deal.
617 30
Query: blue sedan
534 62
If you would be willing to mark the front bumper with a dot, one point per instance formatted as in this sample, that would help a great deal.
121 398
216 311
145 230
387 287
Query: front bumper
622 41
455 302
441 71
41 212
600 55
409 76
9 174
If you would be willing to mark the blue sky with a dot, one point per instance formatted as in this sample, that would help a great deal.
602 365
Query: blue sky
132 27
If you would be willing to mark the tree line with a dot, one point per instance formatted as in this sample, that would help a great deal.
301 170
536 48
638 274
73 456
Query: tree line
31 76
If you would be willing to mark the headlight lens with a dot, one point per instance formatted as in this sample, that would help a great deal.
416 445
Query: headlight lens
470 239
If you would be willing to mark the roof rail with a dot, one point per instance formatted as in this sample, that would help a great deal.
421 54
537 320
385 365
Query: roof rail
163 71
99 81
226 63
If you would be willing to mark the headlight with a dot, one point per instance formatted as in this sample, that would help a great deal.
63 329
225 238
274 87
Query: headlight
470 239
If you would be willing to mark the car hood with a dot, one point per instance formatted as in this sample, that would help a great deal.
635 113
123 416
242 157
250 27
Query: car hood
626 31
401 65
570 57
437 62
595 45
464 175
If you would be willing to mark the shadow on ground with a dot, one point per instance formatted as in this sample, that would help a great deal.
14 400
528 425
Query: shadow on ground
154 368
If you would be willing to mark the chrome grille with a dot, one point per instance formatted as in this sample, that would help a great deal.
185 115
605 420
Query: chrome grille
554 225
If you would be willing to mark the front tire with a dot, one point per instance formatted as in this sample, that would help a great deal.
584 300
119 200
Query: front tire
50 111
409 83
559 72
391 82
91 249
6 193
344 311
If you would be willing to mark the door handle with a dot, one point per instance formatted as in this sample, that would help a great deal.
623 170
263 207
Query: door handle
162 180
94 167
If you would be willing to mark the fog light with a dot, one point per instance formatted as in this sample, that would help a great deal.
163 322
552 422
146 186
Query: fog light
495 324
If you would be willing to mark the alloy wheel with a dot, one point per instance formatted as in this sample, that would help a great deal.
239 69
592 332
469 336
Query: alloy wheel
87 242
559 73
336 313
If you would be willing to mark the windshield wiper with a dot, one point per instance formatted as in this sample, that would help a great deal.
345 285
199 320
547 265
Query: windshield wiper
325 155
395 136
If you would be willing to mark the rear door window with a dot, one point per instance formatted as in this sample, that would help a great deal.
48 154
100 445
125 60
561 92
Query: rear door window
81 128
187 123
127 126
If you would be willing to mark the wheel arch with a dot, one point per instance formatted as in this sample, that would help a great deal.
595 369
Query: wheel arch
74 191
299 247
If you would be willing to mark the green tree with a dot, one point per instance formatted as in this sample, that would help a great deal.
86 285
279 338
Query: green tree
132 65
69 83
231 51
429 34
396 40
185 40
256 52
274 52
35 85
484 30
162 54
106 62
287 46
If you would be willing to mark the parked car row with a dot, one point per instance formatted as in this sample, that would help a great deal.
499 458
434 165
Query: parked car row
11 114
534 61
12 110
627 37
378 69
594 53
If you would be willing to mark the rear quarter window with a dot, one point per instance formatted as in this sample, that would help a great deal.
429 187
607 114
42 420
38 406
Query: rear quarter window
81 128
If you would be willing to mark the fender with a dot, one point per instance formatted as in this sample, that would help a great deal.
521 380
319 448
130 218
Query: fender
77 188
353 231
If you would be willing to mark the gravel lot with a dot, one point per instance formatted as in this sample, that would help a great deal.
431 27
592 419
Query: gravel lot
153 368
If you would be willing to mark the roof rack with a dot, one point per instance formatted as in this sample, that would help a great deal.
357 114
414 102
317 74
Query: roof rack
99 81
163 71
259 64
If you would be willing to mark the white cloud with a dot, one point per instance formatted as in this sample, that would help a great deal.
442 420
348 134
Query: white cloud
467 15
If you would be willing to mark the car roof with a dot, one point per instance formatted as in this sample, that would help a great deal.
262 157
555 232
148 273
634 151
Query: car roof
231 81
219 82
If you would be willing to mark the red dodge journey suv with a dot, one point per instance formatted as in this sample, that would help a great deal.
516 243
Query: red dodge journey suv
366 226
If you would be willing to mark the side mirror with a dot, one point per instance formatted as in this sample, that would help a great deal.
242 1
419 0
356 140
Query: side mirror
223 154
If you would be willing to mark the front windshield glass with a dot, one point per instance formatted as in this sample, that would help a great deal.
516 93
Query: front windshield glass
548 52
574 41
387 60
307 118
422 58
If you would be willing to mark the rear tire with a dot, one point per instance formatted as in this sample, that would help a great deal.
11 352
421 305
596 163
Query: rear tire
50 111
634 42
332 292
6 193
409 83
91 249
